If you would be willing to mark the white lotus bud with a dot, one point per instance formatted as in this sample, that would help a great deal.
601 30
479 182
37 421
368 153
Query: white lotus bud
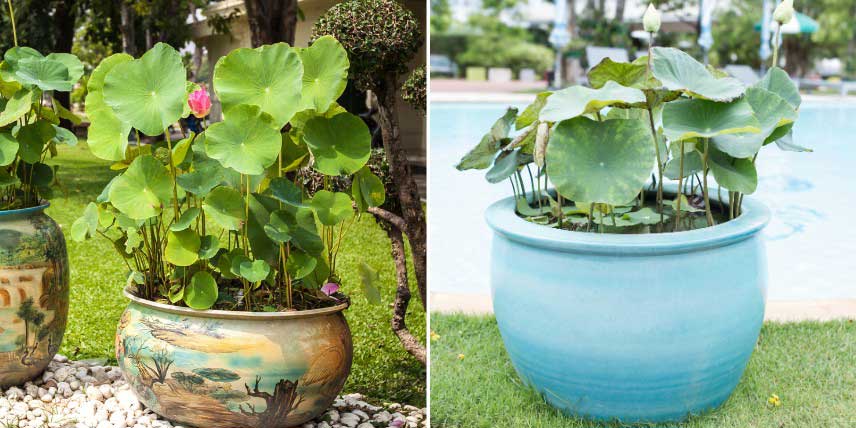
651 19
541 143
784 12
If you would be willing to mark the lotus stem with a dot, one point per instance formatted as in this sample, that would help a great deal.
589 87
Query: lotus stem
704 189
174 175
12 18
776 47
680 190
659 161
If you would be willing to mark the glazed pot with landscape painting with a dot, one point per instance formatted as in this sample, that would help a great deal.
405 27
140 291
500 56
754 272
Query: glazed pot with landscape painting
33 293
234 369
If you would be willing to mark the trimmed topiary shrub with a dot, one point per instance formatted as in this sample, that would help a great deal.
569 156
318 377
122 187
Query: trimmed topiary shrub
413 90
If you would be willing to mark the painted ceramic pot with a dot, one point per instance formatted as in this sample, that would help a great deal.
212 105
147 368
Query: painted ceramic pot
634 328
33 293
223 369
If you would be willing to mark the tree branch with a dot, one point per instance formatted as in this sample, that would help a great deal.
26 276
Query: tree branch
402 297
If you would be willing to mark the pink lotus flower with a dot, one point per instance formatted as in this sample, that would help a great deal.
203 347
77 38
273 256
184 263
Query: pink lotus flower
330 288
200 102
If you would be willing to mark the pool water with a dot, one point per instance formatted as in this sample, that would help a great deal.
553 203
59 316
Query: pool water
811 239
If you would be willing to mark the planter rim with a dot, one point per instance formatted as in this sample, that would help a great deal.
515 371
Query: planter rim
231 315
503 219
28 210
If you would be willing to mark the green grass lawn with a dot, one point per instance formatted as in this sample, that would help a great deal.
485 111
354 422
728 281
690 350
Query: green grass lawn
811 366
382 369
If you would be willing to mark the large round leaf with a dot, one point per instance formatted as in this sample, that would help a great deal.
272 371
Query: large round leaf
269 77
202 291
680 72
148 93
251 270
206 174
143 189
325 73
300 264
33 138
8 148
15 107
694 118
770 110
182 247
606 162
107 135
578 100
737 175
47 74
341 144
331 208
778 82
481 156
248 141
96 80
279 226
631 74
71 62
371 187
226 207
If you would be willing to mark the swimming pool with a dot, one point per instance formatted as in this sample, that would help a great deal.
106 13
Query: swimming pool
811 240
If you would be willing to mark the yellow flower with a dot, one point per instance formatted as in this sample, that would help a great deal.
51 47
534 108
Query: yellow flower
774 400
460 356
434 336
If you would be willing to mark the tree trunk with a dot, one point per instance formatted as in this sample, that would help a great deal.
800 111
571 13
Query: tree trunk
129 36
619 11
408 192
271 21
402 295
572 19
63 23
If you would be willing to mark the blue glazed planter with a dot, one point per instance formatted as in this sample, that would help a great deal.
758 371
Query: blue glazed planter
635 328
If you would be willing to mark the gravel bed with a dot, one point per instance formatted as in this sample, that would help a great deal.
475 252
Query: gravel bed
87 394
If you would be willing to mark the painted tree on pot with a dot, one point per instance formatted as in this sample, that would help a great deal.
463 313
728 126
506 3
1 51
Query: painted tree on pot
381 37
220 219
664 112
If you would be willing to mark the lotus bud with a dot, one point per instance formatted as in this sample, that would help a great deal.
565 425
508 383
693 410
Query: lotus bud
651 19
330 288
784 12
199 102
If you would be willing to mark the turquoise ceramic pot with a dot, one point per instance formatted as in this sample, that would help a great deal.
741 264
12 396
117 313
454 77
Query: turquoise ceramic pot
635 328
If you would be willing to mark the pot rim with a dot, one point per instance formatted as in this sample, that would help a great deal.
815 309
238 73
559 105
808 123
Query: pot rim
503 219
232 315
28 210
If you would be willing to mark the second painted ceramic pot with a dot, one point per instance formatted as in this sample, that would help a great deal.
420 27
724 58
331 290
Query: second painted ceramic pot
222 369
634 328
33 293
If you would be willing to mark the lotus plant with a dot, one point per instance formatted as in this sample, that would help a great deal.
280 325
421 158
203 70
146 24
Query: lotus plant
607 149
222 219
29 121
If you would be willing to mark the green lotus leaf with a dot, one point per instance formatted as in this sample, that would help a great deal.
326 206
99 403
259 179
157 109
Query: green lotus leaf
185 220
778 82
285 191
300 264
209 245
248 141
148 93
532 111
205 175
331 208
15 107
87 225
225 206
579 100
295 154
481 156
369 279
644 216
606 162
180 150
251 270
279 226
506 165
692 164
37 174
269 77
33 138
17 53
143 189
8 148
7 180
684 204
303 230
47 74
325 73
341 144
182 247
72 64
737 175
261 245
96 80
371 187
697 118
202 291
678 71
629 74
64 113
771 111
64 136
107 135
786 143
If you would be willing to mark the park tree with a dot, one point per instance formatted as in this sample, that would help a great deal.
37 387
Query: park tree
381 37
271 21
